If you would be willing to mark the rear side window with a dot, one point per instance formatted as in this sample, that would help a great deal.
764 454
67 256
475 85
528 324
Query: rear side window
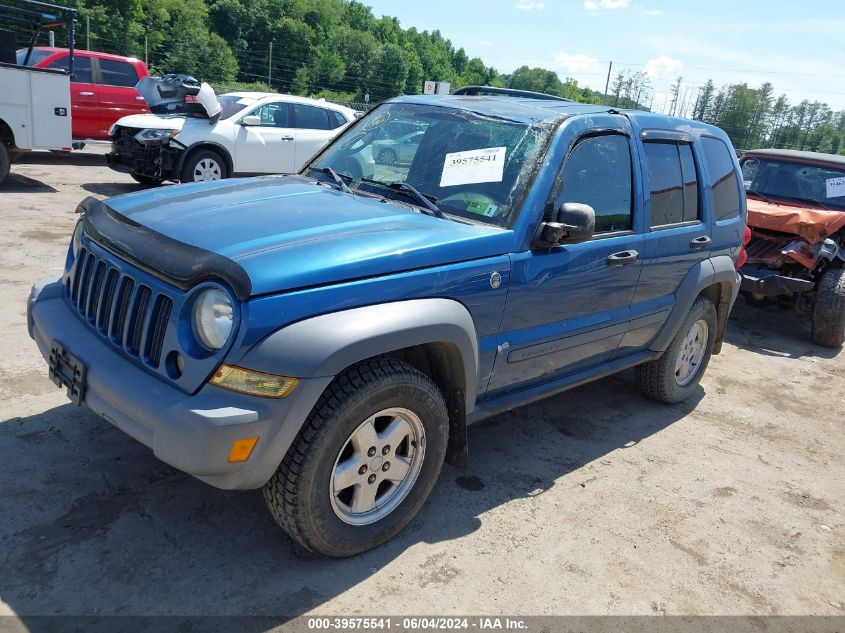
336 119
311 118
673 183
81 68
598 173
725 182
115 73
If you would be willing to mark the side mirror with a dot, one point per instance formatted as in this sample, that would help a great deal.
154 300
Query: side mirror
252 119
574 223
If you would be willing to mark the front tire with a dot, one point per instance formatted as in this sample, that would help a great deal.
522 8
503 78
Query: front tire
203 165
148 181
364 462
829 311
675 375
5 163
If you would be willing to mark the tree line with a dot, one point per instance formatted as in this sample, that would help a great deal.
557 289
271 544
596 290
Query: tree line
340 50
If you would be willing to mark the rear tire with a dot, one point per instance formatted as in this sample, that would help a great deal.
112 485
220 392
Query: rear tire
387 157
149 181
675 375
203 165
364 462
829 311
5 163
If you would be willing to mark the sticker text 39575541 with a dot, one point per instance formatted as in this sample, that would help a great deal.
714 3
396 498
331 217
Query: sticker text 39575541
473 166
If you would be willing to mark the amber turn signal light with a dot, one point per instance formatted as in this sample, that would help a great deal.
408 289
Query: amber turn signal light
253 382
242 449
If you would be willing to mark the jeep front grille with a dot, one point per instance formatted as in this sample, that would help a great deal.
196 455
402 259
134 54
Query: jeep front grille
129 314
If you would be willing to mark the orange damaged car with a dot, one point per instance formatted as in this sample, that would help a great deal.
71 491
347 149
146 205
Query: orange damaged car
796 254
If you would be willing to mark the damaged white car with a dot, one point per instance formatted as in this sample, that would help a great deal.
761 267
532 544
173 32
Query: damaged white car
192 135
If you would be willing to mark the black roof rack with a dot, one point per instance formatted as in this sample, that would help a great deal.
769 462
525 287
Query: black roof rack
34 16
476 91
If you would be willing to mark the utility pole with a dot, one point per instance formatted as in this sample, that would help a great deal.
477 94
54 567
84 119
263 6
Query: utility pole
146 63
52 37
88 32
270 67
607 83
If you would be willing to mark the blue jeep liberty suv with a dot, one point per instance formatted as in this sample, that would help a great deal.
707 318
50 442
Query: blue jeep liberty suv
328 335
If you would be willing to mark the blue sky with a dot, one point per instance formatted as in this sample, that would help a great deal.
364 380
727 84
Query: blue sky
798 46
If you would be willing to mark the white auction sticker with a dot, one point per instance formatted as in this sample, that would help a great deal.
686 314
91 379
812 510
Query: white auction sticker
476 165
835 187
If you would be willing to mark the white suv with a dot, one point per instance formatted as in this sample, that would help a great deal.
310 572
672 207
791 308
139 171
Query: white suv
192 135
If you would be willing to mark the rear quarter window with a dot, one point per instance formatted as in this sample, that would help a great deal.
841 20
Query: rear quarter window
726 185
336 119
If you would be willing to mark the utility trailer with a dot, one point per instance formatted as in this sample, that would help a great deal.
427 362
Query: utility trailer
35 112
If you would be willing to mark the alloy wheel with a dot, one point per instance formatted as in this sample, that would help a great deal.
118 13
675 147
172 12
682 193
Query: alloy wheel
377 466
691 353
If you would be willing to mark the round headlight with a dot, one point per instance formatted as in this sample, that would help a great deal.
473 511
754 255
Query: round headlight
213 318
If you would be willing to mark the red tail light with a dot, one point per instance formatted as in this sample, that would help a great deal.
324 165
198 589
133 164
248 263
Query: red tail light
743 256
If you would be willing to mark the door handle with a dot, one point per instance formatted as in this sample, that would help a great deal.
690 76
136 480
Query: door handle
287 138
623 258
700 242
85 93
140 99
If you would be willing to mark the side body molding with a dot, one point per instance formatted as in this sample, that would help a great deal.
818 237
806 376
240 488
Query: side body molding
325 345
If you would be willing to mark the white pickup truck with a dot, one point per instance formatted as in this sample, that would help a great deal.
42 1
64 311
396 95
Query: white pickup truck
34 102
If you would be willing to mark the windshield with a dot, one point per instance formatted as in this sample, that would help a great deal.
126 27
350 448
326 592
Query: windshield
231 105
772 178
36 56
472 166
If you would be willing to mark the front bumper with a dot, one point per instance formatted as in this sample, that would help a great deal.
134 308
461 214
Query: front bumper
767 282
190 432
119 163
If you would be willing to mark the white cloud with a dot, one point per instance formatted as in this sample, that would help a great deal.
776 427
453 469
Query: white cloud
663 66
586 70
592 5
577 64
530 5
654 12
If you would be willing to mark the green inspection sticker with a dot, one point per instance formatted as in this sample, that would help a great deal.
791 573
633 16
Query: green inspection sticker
482 207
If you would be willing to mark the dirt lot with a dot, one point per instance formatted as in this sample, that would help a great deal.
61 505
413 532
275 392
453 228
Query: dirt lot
597 501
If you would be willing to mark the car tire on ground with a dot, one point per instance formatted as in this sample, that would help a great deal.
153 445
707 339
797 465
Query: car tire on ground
364 462
387 157
829 311
146 180
5 163
203 165
675 375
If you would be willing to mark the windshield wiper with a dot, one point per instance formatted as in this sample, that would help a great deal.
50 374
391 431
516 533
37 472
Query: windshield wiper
429 202
336 177
757 193
814 201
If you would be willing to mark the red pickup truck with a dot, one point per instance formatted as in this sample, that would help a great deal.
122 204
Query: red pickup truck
102 88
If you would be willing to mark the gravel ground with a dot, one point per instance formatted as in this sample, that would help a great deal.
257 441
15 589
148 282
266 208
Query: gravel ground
597 501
